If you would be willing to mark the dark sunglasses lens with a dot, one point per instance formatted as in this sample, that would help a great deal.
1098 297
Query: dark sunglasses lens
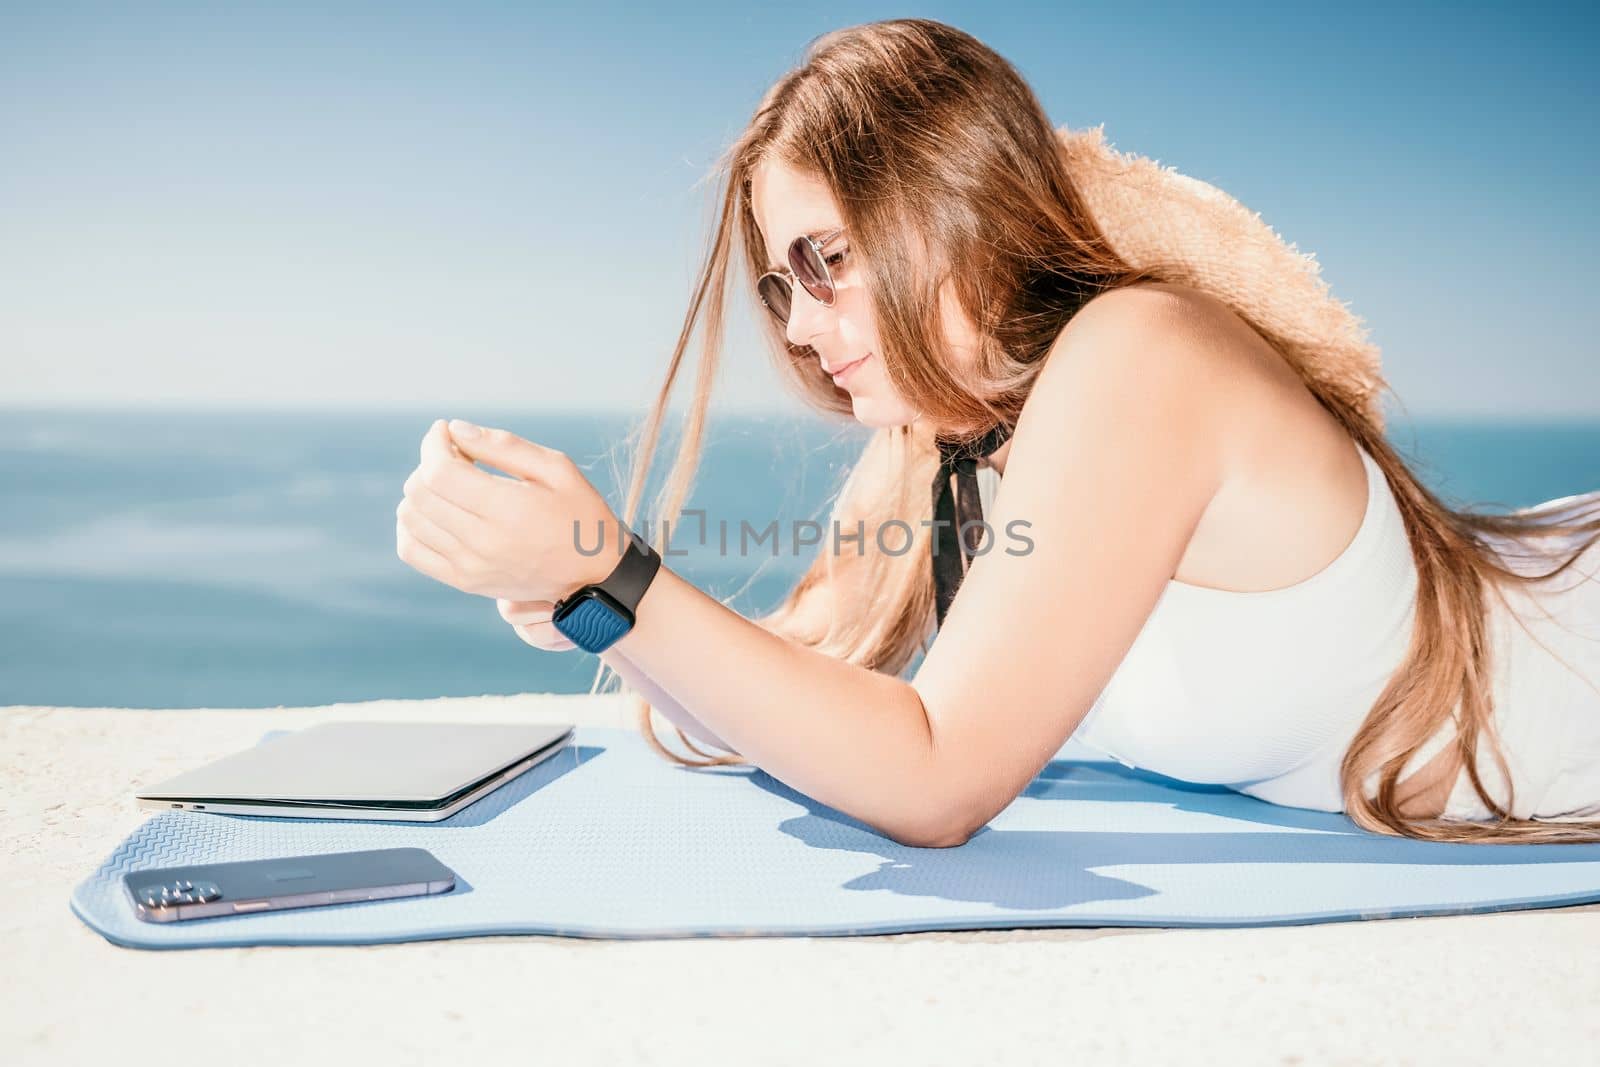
806 262
774 290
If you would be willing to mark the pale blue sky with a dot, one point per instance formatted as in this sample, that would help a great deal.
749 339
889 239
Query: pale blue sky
452 206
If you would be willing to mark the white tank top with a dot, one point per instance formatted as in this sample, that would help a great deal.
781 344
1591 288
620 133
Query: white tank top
1264 691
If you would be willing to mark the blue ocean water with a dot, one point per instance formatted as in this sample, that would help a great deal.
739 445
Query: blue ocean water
230 559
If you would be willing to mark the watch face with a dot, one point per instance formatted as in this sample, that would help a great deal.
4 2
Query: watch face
592 620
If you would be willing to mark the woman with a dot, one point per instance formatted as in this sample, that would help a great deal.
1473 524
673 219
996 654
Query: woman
1229 575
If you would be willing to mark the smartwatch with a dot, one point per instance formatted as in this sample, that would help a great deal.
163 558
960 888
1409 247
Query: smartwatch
595 616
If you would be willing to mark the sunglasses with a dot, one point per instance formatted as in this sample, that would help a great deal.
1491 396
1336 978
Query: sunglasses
806 265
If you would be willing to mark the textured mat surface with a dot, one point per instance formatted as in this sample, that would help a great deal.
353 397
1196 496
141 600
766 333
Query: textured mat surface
609 840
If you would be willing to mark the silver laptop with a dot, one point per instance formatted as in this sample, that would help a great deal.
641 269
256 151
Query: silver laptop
411 772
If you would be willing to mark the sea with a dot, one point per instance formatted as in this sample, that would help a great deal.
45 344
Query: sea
227 559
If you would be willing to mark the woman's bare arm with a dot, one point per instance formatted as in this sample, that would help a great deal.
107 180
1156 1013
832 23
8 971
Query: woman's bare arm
661 700
852 738
809 614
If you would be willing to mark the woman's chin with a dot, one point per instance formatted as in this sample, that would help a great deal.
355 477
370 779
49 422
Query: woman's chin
872 411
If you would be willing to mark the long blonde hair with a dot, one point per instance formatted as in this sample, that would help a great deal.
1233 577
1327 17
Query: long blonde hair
946 168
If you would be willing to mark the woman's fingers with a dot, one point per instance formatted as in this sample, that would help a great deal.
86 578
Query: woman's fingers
518 612
445 513
419 555
544 636
531 621
423 527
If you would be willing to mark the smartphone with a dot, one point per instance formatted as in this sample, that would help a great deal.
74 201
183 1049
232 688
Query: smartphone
202 891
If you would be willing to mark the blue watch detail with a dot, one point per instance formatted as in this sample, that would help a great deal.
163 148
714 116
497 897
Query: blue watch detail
595 616
591 620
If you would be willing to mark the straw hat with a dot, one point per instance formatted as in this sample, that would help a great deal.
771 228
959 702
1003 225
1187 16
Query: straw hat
1197 235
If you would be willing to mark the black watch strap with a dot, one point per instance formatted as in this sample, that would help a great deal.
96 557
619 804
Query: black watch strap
633 573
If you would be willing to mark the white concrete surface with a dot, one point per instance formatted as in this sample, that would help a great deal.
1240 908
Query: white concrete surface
1515 987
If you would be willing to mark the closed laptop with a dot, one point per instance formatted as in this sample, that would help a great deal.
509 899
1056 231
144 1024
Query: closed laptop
415 772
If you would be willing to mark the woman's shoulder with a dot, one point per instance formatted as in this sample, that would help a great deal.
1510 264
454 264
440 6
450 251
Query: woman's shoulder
1291 486
1188 337
1168 310
1165 335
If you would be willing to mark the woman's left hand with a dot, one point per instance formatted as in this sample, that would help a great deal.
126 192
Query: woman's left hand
511 538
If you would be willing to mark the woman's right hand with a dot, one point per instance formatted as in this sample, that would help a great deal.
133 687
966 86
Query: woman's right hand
531 620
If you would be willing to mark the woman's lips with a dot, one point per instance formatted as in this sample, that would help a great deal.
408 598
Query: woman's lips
839 375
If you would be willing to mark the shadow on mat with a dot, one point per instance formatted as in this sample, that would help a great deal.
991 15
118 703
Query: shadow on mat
1046 870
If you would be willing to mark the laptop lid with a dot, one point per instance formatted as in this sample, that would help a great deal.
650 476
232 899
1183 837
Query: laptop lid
413 764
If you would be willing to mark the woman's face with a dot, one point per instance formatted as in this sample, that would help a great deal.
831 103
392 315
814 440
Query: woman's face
786 205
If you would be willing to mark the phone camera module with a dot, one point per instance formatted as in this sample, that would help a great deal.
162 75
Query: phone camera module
179 891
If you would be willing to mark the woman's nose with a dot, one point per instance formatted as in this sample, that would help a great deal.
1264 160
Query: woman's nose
808 316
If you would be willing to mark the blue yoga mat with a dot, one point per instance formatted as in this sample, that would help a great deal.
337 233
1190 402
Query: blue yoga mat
608 840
